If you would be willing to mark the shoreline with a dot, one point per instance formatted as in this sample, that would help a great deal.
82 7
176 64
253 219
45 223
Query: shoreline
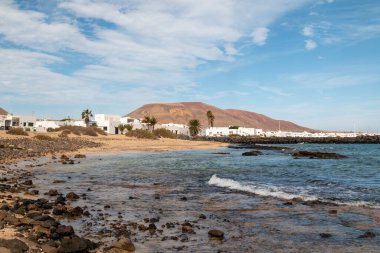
157 216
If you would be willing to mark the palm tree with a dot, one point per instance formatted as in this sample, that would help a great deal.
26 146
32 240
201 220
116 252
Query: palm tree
210 118
86 115
150 121
194 127
153 122
122 127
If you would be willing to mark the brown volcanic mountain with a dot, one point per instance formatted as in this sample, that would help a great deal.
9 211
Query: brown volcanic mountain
183 112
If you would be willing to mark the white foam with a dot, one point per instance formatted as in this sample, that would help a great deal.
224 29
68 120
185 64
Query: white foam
259 190
272 191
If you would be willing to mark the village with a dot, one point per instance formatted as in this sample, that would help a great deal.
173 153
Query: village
115 124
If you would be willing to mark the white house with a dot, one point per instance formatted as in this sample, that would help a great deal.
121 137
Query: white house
176 128
42 125
109 123
8 121
227 131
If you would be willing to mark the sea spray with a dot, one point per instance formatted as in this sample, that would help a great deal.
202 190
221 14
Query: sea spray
267 191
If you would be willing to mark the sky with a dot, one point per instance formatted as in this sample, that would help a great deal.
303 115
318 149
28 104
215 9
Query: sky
313 62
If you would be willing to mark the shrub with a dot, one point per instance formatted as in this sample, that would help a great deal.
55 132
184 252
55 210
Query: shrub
43 137
164 133
49 129
141 134
78 130
17 131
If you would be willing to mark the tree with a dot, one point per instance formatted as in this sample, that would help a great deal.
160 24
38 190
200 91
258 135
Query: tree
194 127
150 121
210 118
153 122
122 127
86 115
129 127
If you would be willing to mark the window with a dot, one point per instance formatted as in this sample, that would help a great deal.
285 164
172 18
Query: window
105 128
30 124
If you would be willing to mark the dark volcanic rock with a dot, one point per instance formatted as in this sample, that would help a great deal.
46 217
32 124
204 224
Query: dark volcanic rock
64 230
217 234
72 196
52 192
367 234
75 245
15 245
317 155
252 153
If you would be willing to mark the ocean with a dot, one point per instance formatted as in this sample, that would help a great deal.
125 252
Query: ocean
249 197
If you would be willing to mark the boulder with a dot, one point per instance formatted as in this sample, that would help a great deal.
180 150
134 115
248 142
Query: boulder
125 244
14 245
217 234
317 155
252 153
72 196
75 245
64 230
52 192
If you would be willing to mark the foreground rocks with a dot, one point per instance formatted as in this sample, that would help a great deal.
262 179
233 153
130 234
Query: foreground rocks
317 155
12 149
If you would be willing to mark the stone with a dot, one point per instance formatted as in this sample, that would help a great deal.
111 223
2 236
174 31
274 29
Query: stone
15 245
252 153
217 234
48 249
125 244
202 216
72 196
367 234
325 235
52 192
28 182
64 230
75 244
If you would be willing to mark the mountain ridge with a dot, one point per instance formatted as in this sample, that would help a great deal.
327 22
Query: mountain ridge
182 112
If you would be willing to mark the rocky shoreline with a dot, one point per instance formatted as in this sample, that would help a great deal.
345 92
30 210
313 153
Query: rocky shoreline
293 140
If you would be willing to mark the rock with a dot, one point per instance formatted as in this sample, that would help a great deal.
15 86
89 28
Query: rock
202 216
74 212
79 156
64 230
28 182
217 234
317 155
58 181
183 198
75 245
52 192
15 245
72 196
325 235
48 249
333 211
59 211
252 153
367 234
187 229
125 244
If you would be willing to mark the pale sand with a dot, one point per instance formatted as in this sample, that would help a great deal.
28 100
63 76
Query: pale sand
121 144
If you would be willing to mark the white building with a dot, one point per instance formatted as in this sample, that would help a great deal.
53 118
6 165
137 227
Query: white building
42 125
176 128
227 131
108 123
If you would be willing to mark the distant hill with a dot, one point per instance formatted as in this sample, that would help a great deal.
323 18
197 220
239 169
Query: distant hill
185 111
3 112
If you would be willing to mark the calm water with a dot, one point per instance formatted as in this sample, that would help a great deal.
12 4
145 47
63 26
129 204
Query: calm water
220 187
354 181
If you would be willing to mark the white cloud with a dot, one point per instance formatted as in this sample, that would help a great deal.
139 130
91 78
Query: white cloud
310 44
260 35
145 44
308 31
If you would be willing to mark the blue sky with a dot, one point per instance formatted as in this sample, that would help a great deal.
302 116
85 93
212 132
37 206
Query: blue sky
316 63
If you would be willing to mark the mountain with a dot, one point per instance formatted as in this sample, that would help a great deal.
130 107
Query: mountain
183 112
3 112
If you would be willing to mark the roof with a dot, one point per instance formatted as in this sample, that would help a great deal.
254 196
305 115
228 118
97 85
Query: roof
3 112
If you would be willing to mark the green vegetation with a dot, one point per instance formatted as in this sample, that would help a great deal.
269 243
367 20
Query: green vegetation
194 127
17 131
129 127
43 137
164 133
141 134
150 121
210 118
78 130
121 128
233 127
86 115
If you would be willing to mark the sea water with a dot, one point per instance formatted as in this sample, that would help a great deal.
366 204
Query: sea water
224 184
